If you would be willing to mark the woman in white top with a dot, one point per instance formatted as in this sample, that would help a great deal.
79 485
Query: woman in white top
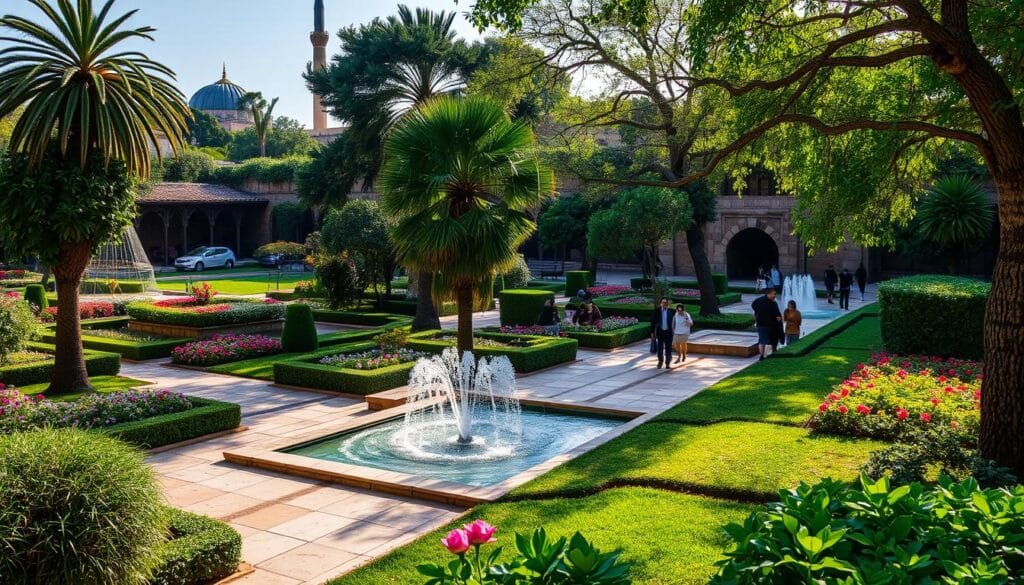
681 324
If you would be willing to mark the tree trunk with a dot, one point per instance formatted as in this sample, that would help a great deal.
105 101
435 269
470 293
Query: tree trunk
69 373
701 265
426 313
1001 437
464 300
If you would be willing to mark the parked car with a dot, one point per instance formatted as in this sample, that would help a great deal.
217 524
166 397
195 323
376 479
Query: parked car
205 257
279 260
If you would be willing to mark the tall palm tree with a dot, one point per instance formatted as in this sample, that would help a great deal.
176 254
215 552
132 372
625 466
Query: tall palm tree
461 177
262 116
88 101
956 213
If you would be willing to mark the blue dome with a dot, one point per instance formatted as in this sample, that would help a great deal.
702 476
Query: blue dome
222 95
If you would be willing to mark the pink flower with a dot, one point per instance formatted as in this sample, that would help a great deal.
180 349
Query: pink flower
954 424
863 409
457 541
823 407
926 417
843 409
480 532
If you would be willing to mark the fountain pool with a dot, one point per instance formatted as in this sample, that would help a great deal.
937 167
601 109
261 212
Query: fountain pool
800 288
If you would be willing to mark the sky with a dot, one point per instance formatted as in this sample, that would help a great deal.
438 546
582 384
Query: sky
264 43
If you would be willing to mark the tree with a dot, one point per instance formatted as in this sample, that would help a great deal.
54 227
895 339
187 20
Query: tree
508 71
7 128
364 231
92 110
205 130
288 218
641 219
189 166
289 138
385 68
562 225
955 213
461 179
262 116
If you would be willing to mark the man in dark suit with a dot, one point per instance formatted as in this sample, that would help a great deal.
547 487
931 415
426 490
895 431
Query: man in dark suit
662 323
831 279
845 284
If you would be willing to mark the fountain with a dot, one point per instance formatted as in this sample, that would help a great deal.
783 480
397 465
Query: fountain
800 288
124 261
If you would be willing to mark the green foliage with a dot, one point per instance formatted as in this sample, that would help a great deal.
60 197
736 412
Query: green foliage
611 339
826 333
392 340
563 223
640 283
133 350
241 311
956 213
508 14
54 204
362 230
518 276
639 221
522 306
299 333
77 508
263 170
576 280
326 180
510 73
939 448
96 364
205 417
877 533
933 315
288 218
204 131
101 286
538 353
200 550
189 166
287 139
17 324
360 318
307 372
292 249
338 275
35 295
721 283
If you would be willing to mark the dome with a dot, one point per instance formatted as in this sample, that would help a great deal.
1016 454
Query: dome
222 95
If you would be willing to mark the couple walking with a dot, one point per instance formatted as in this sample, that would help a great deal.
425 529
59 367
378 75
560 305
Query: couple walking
845 281
775 326
670 329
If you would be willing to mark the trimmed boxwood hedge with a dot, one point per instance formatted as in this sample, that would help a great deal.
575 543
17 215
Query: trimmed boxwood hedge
385 320
133 350
555 286
97 363
643 311
244 311
576 280
97 286
934 315
205 417
200 550
721 282
36 294
306 371
640 283
612 339
522 306
299 332
542 352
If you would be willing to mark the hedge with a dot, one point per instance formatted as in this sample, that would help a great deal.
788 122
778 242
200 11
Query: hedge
307 372
98 286
612 339
408 307
542 352
205 417
96 363
934 315
522 306
242 311
385 320
725 321
554 286
299 333
133 350
576 280
36 295
819 336
721 282
640 283
643 311
200 550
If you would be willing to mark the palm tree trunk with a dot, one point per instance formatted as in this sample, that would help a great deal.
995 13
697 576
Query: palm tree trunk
464 300
69 373
426 313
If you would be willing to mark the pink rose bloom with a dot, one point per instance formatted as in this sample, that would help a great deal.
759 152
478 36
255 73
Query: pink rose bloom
480 532
457 541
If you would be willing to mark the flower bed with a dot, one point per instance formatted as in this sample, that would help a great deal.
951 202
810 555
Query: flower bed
310 371
373 359
86 310
893 397
21 413
607 324
12 274
184 318
608 290
36 371
527 353
613 332
222 349
113 335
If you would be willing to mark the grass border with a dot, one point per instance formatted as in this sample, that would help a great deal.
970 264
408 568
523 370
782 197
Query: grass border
823 334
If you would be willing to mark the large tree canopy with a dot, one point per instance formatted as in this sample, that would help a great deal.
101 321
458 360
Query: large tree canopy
289 138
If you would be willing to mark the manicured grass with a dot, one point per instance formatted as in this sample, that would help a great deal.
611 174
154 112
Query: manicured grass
669 538
242 285
212 272
102 384
750 461
864 334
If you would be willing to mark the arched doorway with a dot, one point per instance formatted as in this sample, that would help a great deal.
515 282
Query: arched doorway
748 251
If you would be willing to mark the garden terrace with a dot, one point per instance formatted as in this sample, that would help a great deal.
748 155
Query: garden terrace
185 317
113 335
526 352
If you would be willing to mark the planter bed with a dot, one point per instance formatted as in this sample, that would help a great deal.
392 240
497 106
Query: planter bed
307 372
129 349
599 339
205 417
385 320
725 321
200 322
199 550
540 352
97 363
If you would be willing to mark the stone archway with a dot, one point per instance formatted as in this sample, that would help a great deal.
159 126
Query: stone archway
749 250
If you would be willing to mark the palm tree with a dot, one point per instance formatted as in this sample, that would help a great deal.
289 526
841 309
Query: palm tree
957 214
262 116
88 102
461 177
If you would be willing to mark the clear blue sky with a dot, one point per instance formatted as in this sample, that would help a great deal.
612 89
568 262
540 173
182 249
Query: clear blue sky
265 43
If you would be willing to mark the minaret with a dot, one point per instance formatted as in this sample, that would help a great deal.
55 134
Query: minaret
319 39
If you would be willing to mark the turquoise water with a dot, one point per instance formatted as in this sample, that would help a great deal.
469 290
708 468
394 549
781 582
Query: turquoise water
431 450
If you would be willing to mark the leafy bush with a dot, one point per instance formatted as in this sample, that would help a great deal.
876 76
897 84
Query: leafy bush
392 339
35 295
944 450
576 280
96 364
77 507
518 276
832 533
264 170
233 312
199 550
190 166
721 283
640 283
292 249
338 275
221 349
934 315
17 324
541 561
299 333
522 306
21 413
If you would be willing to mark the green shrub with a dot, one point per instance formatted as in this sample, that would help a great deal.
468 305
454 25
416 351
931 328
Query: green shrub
205 417
576 280
933 315
518 276
540 352
264 170
832 533
611 339
338 275
358 318
522 306
241 311
721 283
17 324
96 363
200 550
726 321
309 373
287 248
550 285
640 283
35 294
101 286
819 336
77 508
299 333
133 350
392 339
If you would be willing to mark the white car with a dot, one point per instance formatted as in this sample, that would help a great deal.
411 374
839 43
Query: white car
205 257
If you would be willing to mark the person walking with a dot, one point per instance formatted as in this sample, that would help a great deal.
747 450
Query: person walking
681 324
792 319
845 284
767 317
662 322
831 279
861 276
776 277
548 318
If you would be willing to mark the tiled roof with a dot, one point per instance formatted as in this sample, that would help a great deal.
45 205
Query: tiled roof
197 193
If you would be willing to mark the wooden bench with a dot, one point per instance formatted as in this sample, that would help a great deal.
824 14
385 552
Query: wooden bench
547 268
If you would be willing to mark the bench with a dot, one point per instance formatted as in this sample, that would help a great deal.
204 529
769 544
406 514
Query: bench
547 268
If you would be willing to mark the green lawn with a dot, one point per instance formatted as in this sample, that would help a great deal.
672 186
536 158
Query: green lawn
864 334
212 272
669 538
243 285
102 384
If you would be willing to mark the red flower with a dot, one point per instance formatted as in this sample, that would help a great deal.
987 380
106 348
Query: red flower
902 414
843 409
863 409
844 392
823 407
926 417
954 424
